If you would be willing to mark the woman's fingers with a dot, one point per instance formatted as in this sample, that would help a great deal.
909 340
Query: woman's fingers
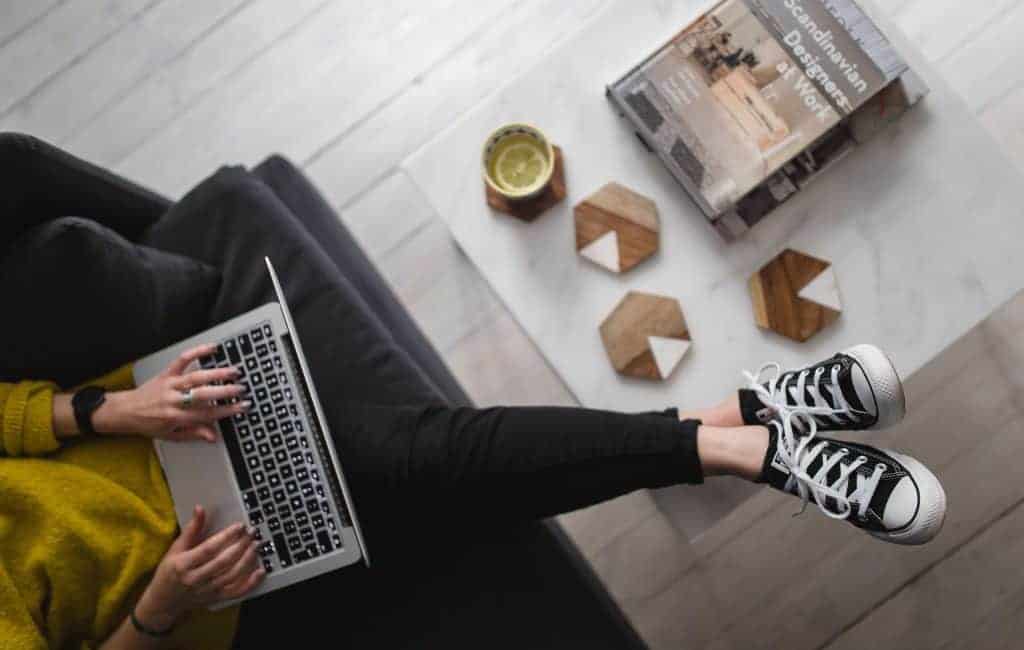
203 377
214 393
223 562
178 366
249 562
208 414
211 547
193 530
243 586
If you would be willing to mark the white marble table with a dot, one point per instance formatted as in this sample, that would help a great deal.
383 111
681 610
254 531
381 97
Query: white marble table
923 226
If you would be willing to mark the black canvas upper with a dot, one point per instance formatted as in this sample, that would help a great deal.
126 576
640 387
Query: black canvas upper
754 411
776 475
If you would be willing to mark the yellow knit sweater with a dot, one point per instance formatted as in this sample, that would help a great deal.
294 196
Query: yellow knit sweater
82 527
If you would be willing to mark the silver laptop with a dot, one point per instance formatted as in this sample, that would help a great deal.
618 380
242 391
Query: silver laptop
274 467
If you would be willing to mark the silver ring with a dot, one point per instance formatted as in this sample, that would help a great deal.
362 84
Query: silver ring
187 398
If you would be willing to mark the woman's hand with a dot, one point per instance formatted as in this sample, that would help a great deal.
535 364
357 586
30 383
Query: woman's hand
158 409
196 573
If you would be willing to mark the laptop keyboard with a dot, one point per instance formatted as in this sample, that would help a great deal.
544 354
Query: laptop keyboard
275 458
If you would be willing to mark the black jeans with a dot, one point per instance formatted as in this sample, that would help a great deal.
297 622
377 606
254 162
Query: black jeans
414 462
402 446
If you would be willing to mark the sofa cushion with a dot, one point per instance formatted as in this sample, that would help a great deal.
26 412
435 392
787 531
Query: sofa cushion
83 300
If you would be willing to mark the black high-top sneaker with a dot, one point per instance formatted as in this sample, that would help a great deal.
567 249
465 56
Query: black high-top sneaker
853 390
891 496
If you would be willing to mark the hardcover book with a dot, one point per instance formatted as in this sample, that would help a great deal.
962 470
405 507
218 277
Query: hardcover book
756 98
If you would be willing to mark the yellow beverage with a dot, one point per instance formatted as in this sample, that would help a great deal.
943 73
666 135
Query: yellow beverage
518 161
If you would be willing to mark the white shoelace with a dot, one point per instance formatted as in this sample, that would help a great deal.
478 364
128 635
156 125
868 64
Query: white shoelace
775 394
797 453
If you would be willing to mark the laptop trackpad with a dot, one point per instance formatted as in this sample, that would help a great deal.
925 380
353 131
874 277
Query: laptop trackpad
200 473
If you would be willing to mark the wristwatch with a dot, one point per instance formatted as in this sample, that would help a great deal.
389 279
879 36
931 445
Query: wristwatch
84 403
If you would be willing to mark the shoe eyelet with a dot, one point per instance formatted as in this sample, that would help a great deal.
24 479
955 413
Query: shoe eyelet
837 367
863 458
844 451
881 466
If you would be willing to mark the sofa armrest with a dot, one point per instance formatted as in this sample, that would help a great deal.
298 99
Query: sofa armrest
42 182
323 223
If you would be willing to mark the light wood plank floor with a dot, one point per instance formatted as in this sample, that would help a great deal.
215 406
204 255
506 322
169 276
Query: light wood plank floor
166 90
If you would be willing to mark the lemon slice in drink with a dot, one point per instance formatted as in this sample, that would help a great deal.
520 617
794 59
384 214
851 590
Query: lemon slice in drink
520 166
518 162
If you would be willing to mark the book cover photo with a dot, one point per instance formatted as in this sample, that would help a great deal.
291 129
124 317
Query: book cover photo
754 98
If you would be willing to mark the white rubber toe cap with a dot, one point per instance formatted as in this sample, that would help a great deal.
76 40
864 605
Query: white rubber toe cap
902 505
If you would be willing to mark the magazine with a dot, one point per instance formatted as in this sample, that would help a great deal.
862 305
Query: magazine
755 98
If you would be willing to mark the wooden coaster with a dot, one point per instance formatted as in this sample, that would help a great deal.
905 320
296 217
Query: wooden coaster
795 295
616 228
645 336
530 209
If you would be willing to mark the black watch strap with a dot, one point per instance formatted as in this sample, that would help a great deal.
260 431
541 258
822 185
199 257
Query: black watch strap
84 403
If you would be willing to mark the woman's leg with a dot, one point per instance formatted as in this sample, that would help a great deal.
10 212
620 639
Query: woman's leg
498 465
42 182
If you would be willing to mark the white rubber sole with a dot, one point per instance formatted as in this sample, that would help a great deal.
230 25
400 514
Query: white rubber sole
931 512
885 383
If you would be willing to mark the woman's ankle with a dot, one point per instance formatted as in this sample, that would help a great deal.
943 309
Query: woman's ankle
725 414
732 451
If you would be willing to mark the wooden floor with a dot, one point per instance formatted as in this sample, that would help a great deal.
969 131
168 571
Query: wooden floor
165 91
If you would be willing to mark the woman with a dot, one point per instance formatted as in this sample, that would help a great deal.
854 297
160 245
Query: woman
90 554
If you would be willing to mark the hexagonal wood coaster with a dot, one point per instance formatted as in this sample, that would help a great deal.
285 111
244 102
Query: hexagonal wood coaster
795 295
529 209
616 228
645 336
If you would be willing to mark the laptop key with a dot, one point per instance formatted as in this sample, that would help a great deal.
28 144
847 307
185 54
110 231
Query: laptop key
227 428
282 548
245 345
325 542
232 351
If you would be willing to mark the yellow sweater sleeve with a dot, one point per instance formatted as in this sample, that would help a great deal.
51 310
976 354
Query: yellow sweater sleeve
26 413
26 427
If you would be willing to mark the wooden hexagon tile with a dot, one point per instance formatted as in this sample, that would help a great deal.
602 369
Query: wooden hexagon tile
616 228
795 295
645 336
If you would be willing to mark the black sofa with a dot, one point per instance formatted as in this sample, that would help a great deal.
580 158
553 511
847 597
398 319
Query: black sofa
521 587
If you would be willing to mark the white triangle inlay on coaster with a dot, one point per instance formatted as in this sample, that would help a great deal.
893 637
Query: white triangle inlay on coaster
823 290
667 353
604 251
